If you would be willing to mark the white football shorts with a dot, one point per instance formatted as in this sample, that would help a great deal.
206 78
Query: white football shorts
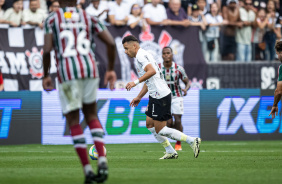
177 105
74 93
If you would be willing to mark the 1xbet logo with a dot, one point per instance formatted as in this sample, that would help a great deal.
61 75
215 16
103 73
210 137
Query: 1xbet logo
244 117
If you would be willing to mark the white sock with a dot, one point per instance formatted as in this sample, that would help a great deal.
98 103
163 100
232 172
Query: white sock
176 135
87 168
102 159
190 140
162 140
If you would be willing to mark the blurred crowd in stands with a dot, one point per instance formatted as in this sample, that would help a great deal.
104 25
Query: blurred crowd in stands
242 30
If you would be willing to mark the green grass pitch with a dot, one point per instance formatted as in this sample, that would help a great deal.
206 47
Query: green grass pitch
219 162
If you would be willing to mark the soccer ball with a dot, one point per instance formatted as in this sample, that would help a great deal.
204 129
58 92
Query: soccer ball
93 152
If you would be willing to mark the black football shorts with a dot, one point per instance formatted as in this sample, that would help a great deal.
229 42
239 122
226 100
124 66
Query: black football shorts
159 109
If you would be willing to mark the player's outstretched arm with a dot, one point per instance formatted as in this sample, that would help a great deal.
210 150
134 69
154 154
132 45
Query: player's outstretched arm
150 71
110 75
137 99
48 46
277 98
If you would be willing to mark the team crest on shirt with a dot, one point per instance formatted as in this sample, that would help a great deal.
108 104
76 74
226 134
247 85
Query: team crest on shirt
71 16
156 94
167 77
67 15
35 62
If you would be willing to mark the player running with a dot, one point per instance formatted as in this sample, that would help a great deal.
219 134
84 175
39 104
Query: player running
278 90
69 31
172 73
158 110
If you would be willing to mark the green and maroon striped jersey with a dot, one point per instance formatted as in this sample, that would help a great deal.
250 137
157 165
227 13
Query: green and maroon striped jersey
280 73
172 76
72 31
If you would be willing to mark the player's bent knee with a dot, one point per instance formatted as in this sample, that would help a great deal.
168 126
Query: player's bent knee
161 131
157 131
149 124
72 117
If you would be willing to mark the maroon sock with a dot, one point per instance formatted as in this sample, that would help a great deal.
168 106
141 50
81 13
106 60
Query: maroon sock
79 143
97 135
178 142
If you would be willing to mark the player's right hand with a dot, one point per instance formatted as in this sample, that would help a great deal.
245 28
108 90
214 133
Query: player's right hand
129 86
47 84
135 102
184 92
273 111
110 77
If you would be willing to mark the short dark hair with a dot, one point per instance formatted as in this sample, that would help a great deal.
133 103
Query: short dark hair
16 1
129 38
278 46
55 1
167 47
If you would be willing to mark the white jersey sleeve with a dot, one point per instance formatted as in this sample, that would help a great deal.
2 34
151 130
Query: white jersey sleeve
143 60
157 86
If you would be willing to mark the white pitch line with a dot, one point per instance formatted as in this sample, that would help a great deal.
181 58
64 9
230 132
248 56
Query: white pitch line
245 151
225 144
242 144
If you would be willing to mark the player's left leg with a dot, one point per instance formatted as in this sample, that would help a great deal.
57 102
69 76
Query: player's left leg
170 152
178 123
80 143
178 126
162 129
91 118
177 111
97 133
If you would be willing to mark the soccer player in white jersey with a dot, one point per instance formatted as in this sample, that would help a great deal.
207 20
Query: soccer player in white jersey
69 32
159 106
173 73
